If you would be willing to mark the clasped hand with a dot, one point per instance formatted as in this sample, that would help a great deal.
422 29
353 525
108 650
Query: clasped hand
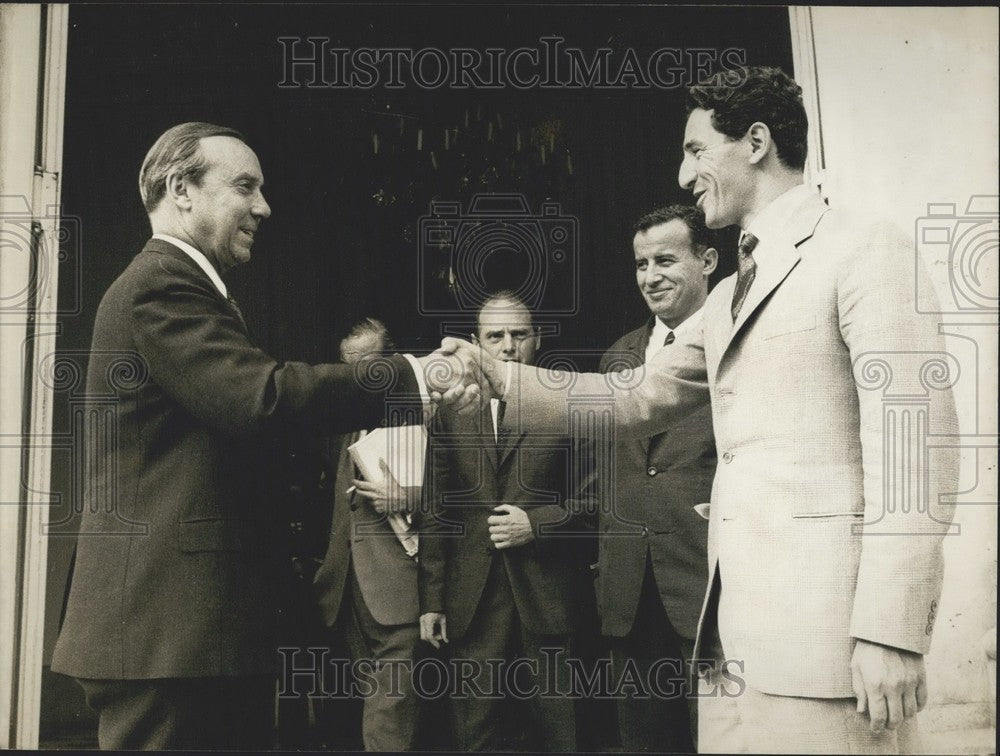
460 374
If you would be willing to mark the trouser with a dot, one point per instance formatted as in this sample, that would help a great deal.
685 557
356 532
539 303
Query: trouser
481 710
391 712
750 721
661 716
204 713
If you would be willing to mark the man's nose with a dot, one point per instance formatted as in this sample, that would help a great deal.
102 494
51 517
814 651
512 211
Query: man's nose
687 174
507 345
260 207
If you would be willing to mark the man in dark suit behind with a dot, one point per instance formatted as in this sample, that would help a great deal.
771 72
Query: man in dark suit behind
497 578
366 585
170 619
653 566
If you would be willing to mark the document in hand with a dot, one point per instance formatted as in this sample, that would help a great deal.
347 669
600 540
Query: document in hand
403 449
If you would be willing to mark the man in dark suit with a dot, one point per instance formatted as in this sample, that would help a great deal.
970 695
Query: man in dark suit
501 573
170 618
653 561
366 586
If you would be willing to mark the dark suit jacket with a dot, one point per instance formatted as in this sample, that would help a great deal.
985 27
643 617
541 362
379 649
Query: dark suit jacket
172 573
464 482
362 539
656 483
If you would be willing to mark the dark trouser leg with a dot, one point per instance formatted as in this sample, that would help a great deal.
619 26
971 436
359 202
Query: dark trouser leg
552 708
184 713
391 714
653 651
477 709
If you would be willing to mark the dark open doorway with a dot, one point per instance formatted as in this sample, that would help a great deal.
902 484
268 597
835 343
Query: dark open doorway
344 240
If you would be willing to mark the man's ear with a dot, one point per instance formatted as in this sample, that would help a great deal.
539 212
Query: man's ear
177 190
710 259
474 338
759 136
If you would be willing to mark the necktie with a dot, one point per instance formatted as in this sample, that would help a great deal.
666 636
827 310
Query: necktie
746 271
501 433
239 312
669 339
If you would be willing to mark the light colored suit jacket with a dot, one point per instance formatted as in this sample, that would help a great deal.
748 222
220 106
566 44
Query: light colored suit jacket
827 393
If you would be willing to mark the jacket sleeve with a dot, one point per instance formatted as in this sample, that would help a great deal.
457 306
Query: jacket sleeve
432 565
641 401
903 378
196 349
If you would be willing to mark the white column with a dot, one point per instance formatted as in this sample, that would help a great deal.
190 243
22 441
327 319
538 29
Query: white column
32 86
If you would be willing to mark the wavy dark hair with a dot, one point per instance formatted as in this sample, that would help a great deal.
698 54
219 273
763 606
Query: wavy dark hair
741 97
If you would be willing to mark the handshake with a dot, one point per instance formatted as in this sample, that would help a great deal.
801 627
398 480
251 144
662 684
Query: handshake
459 375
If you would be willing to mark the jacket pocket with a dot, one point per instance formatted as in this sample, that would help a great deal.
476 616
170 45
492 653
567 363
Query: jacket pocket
798 325
827 515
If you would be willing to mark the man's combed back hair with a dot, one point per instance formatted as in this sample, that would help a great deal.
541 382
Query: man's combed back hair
702 237
741 97
177 150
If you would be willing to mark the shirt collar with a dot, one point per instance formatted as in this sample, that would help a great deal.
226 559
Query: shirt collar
773 219
199 258
660 330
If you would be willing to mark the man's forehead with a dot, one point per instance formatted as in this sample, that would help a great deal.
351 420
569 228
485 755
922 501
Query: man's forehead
504 315
699 127
230 153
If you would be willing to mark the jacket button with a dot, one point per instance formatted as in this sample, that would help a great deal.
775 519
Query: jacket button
645 531
651 471
727 457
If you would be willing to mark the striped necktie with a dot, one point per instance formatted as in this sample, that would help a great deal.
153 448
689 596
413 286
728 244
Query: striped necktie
746 271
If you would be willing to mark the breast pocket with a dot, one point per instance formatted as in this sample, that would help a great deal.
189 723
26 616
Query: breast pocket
791 326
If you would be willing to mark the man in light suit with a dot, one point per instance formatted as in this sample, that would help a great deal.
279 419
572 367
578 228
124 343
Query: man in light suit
827 517
170 620
501 575
651 571
366 586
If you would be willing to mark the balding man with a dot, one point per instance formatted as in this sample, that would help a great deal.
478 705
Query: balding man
170 618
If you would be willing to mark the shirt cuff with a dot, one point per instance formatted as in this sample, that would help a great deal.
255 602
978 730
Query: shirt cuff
418 372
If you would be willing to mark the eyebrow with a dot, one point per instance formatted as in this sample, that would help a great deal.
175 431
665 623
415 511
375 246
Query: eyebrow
248 177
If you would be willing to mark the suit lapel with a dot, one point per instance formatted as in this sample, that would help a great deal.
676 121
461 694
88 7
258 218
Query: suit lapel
639 347
513 440
486 433
783 255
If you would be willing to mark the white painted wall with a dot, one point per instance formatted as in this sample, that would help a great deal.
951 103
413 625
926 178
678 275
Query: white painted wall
909 115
